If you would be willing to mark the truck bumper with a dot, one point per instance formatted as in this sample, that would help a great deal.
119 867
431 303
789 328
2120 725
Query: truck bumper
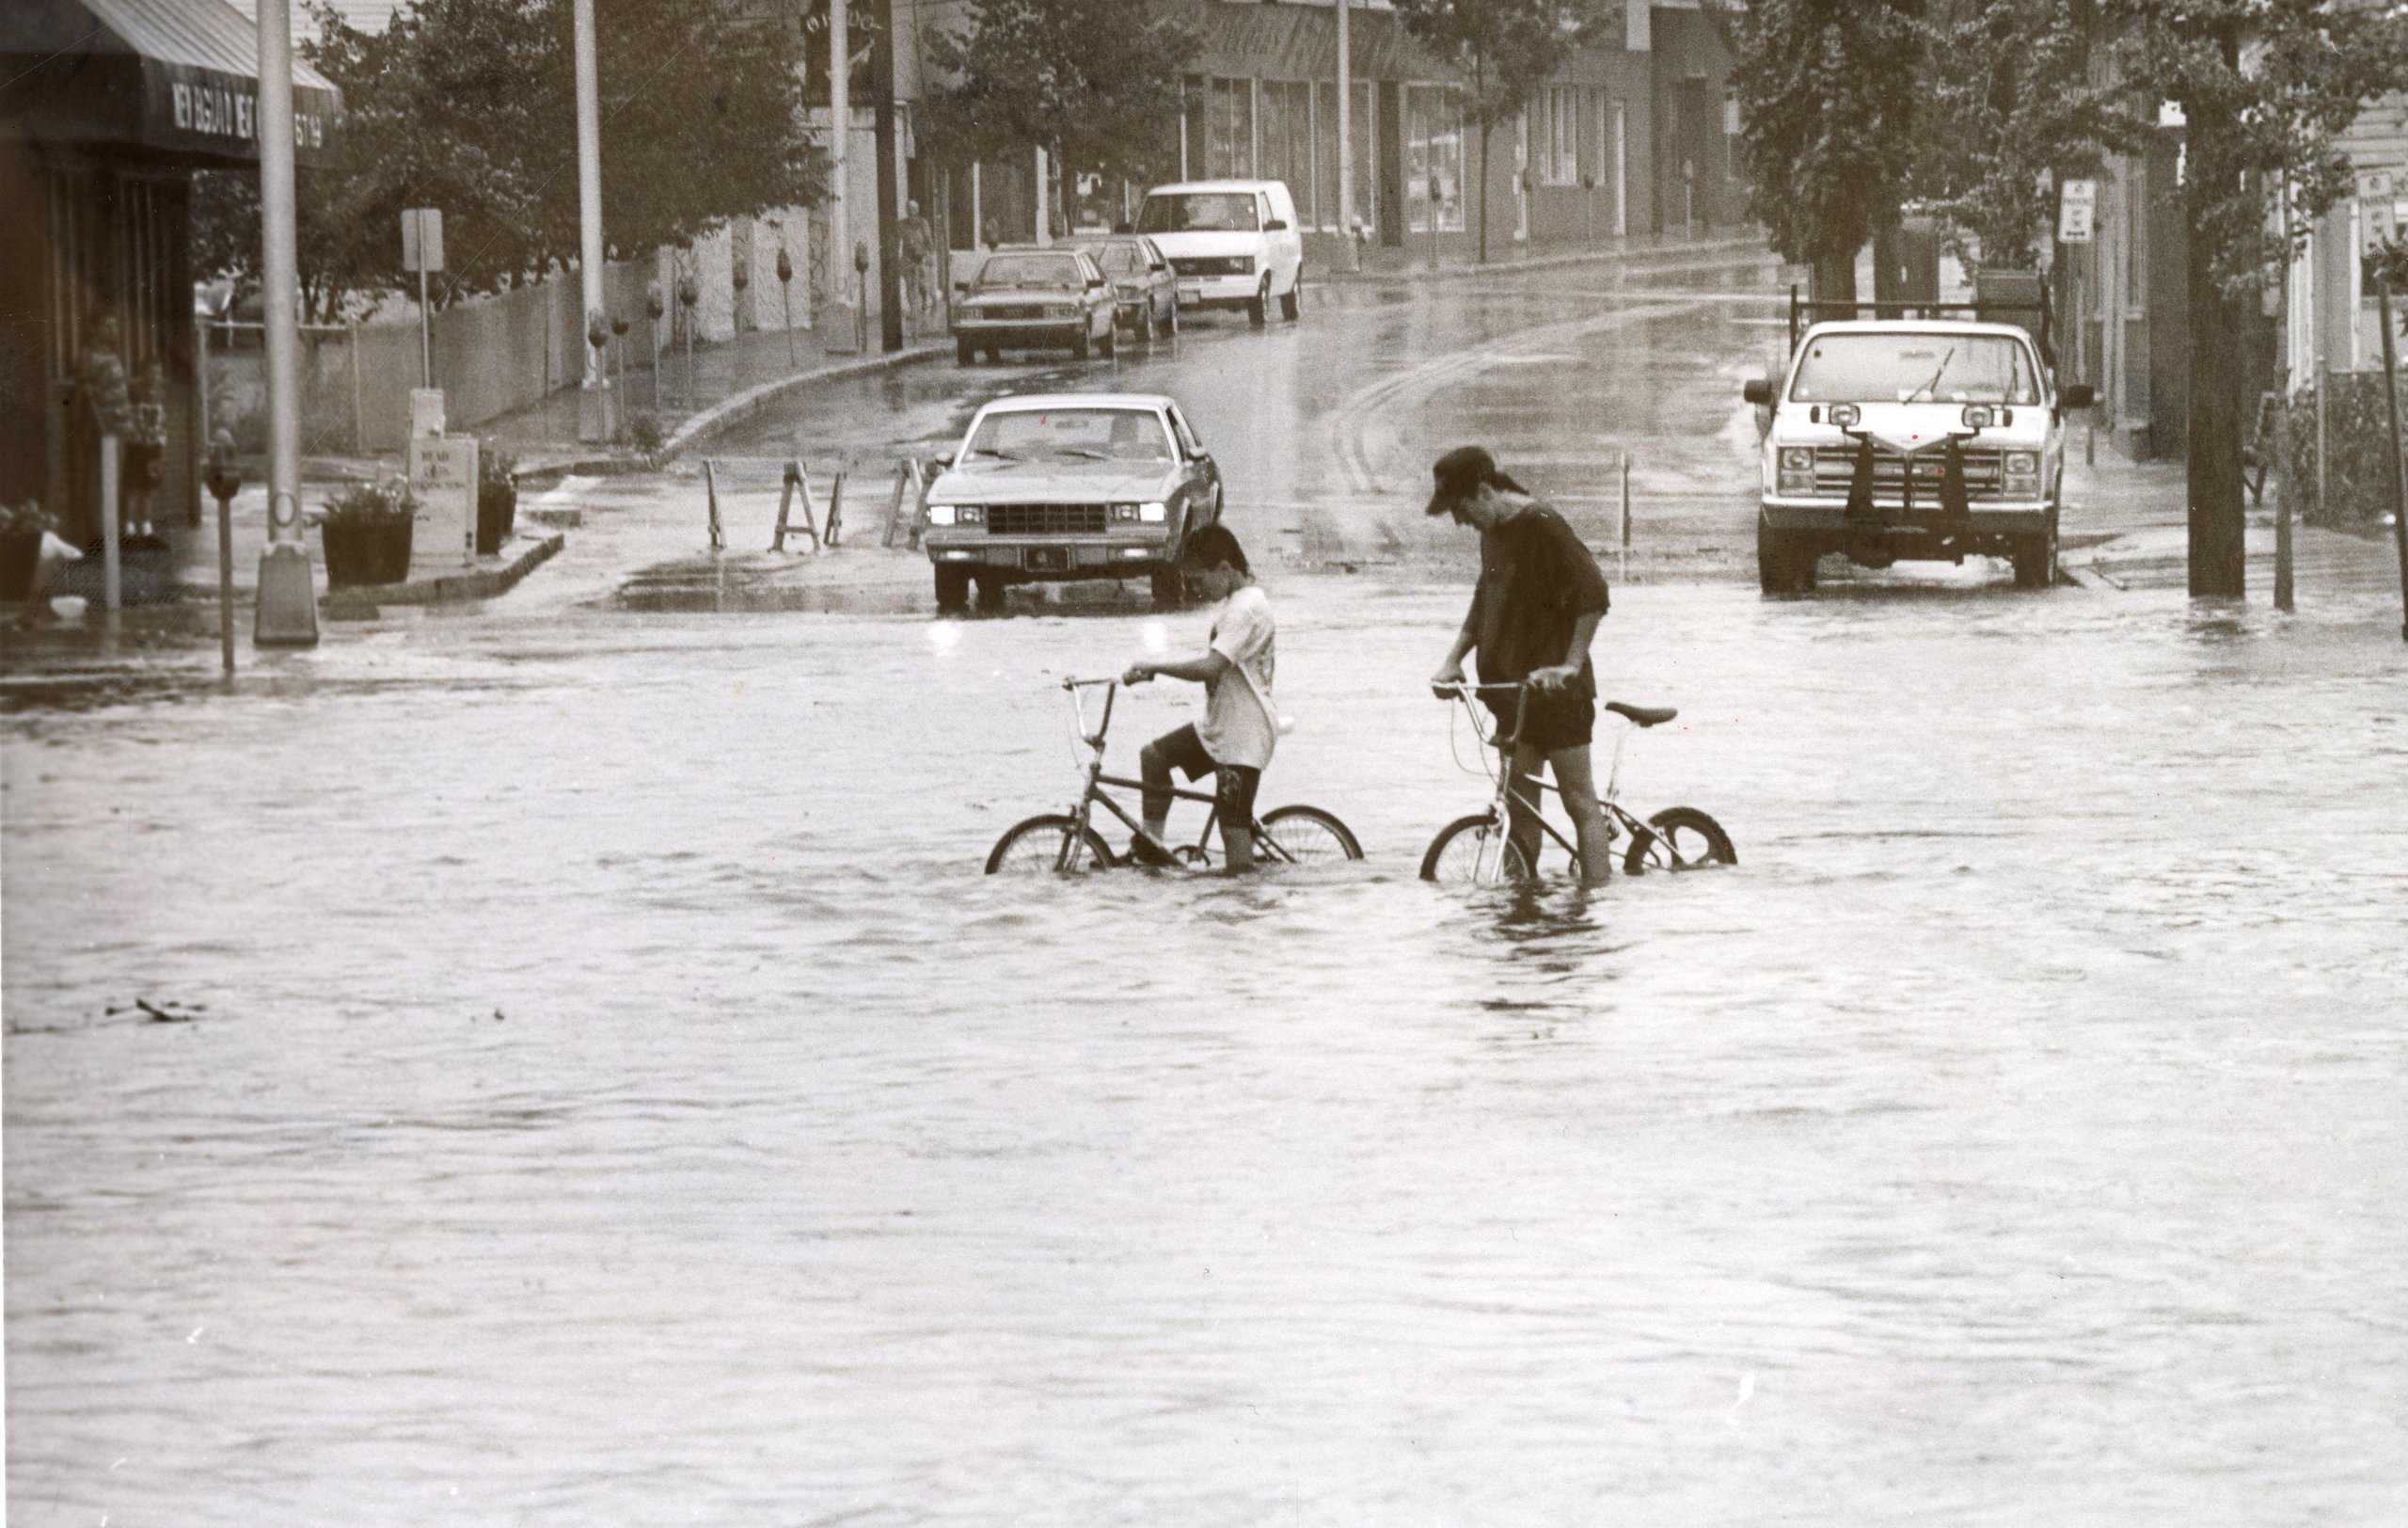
1984 522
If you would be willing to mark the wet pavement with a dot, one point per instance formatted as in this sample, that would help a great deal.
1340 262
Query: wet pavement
587 1079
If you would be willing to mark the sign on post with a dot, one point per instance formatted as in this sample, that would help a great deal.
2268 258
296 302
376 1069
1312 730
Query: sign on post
2378 219
443 480
2077 211
422 252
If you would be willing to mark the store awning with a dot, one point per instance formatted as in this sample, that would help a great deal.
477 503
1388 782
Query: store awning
177 78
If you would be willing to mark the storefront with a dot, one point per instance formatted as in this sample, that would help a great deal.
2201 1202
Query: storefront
110 107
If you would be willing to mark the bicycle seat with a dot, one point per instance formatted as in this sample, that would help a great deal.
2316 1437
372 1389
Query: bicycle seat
1647 716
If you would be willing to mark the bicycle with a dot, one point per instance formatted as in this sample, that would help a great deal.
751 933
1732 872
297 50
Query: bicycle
1066 842
1475 850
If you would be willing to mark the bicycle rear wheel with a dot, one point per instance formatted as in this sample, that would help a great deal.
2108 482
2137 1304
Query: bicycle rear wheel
1305 836
1034 848
1685 839
1473 852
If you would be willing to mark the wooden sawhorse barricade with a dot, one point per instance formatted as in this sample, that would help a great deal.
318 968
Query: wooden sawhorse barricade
794 485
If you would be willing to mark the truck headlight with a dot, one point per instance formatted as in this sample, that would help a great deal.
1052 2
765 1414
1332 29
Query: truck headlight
1798 469
1844 415
2021 472
1152 512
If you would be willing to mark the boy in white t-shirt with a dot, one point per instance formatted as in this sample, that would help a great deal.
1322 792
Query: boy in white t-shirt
1239 729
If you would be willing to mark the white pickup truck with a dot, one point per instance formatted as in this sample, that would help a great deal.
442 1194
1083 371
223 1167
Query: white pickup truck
1926 438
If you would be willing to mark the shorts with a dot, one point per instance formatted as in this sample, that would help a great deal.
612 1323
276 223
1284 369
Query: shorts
1552 722
1233 794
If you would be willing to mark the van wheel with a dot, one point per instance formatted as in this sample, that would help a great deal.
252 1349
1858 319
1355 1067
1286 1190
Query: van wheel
1079 345
1109 345
965 353
1293 298
1256 307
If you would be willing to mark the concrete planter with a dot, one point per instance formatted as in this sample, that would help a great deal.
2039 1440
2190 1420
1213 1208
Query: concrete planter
365 549
496 516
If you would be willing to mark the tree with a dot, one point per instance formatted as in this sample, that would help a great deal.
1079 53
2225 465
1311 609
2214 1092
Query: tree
1502 50
2264 86
469 107
1828 125
2012 111
1087 81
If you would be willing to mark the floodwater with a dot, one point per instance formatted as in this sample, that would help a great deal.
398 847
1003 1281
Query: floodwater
605 1090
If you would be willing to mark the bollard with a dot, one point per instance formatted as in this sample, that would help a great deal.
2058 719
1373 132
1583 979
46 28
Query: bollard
710 493
1626 517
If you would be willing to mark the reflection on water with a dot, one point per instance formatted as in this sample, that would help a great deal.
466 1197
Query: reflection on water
618 1095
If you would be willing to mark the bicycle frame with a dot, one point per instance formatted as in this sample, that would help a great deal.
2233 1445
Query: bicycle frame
1093 791
1499 806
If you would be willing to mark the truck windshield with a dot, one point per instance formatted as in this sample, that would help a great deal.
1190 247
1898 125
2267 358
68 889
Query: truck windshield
1916 368
1219 212
1122 435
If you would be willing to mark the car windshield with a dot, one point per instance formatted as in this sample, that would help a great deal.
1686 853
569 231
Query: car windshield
1916 368
1031 271
1118 258
1120 434
1225 211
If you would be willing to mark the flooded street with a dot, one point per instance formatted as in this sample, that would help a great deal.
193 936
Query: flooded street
604 1088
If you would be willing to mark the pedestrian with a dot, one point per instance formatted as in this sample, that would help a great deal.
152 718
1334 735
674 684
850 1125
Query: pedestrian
916 245
1532 616
1241 726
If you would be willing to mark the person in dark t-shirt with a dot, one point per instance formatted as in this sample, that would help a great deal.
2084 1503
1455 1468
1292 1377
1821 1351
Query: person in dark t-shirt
1540 598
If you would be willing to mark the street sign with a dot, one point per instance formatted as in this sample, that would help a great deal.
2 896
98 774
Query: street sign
2077 207
443 480
421 238
2378 219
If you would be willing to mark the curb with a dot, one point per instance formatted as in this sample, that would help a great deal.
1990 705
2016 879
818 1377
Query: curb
733 410
361 603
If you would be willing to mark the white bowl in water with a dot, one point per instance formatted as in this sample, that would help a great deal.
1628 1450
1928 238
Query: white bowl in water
68 607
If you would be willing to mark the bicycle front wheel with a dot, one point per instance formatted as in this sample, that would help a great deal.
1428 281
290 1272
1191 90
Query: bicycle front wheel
1305 836
1473 852
1683 838
1037 845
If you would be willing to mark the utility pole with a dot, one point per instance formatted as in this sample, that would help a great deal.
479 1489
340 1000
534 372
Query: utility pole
840 122
288 601
890 272
1345 144
595 403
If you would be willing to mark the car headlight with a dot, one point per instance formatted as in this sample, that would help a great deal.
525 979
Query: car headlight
1065 309
939 513
972 514
1798 469
1124 513
2022 471
1152 512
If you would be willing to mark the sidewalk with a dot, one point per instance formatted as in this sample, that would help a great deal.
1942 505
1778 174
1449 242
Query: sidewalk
2126 526
1411 261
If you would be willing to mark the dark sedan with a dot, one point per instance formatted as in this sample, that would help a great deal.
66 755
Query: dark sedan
1145 289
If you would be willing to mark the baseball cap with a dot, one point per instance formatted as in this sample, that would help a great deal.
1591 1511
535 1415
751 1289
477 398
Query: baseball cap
1460 472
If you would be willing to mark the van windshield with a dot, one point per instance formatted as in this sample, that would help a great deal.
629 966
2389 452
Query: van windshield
1916 368
1214 212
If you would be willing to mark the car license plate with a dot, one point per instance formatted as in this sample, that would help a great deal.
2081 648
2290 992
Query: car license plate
1047 559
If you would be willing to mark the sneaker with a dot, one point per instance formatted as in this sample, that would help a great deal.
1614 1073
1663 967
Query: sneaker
1143 850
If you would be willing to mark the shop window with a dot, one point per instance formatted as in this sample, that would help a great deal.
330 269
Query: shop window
1434 152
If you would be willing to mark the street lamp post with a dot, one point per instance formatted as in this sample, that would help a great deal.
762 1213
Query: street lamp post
595 404
786 295
655 307
689 293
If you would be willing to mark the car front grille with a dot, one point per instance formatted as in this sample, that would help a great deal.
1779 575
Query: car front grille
1835 472
1046 519
1213 265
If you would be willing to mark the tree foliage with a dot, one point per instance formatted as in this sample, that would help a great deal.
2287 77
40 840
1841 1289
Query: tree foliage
1827 120
469 107
1094 83
2012 110
1501 52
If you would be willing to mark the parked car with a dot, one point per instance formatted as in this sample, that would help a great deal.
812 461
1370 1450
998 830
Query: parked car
1234 243
1056 486
1145 289
1035 299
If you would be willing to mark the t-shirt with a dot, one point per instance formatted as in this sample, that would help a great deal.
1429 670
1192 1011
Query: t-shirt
1236 727
1536 581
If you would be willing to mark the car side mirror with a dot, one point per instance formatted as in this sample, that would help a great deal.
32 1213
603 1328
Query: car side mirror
2076 395
1757 391
1278 225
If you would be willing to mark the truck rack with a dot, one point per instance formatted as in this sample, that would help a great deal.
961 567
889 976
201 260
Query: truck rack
2031 313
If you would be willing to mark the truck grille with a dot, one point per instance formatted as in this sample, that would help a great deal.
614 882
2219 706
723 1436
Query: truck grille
1045 520
1835 471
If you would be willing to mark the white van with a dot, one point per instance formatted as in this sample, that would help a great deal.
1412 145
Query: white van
1234 243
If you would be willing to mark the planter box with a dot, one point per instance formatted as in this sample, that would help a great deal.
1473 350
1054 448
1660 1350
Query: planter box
496 516
20 565
146 572
367 551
